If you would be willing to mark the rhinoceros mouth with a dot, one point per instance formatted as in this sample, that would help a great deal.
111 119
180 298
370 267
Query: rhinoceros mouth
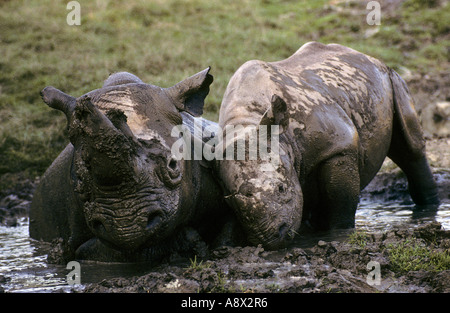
276 238
118 239
130 219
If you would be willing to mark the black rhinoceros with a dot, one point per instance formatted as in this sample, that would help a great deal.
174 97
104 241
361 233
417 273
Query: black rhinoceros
118 181
340 113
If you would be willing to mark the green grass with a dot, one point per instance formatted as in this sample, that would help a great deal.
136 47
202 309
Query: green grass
413 255
358 238
197 266
163 42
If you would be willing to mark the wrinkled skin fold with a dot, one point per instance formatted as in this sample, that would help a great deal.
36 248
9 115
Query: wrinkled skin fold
341 113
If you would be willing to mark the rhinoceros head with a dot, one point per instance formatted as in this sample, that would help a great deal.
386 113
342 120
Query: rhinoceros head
134 192
265 195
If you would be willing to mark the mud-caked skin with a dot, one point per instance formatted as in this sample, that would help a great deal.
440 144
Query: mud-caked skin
116 192
340 114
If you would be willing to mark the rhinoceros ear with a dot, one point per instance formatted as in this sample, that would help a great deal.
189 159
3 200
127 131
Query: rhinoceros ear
57 99
189 95
276 114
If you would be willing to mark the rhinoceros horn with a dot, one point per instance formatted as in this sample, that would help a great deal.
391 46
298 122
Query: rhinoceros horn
57 99
106 144
109 144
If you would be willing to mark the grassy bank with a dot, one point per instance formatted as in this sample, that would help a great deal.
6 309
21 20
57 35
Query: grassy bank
165 41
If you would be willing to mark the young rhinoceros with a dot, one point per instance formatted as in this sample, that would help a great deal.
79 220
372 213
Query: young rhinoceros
340 113
117 180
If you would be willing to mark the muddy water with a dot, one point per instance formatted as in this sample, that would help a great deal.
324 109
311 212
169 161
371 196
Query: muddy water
23 263
379 217
23 266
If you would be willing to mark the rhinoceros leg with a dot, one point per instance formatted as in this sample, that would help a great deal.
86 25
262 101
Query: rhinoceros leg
407 148
338 193
421 184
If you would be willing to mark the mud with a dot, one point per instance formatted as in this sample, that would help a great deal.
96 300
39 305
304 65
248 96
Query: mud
15 202
328 266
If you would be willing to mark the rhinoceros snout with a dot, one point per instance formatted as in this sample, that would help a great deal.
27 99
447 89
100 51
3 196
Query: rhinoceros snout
127 233
280 240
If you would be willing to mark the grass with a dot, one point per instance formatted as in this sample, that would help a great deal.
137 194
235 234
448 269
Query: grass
163 42
358 238
413 255
197 266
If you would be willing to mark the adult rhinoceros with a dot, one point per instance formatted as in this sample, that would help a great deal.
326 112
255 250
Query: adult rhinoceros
118 181
341 113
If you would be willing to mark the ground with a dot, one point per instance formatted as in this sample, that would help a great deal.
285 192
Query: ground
326 267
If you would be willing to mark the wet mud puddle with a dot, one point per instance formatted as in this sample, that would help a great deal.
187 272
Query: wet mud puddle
23 266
